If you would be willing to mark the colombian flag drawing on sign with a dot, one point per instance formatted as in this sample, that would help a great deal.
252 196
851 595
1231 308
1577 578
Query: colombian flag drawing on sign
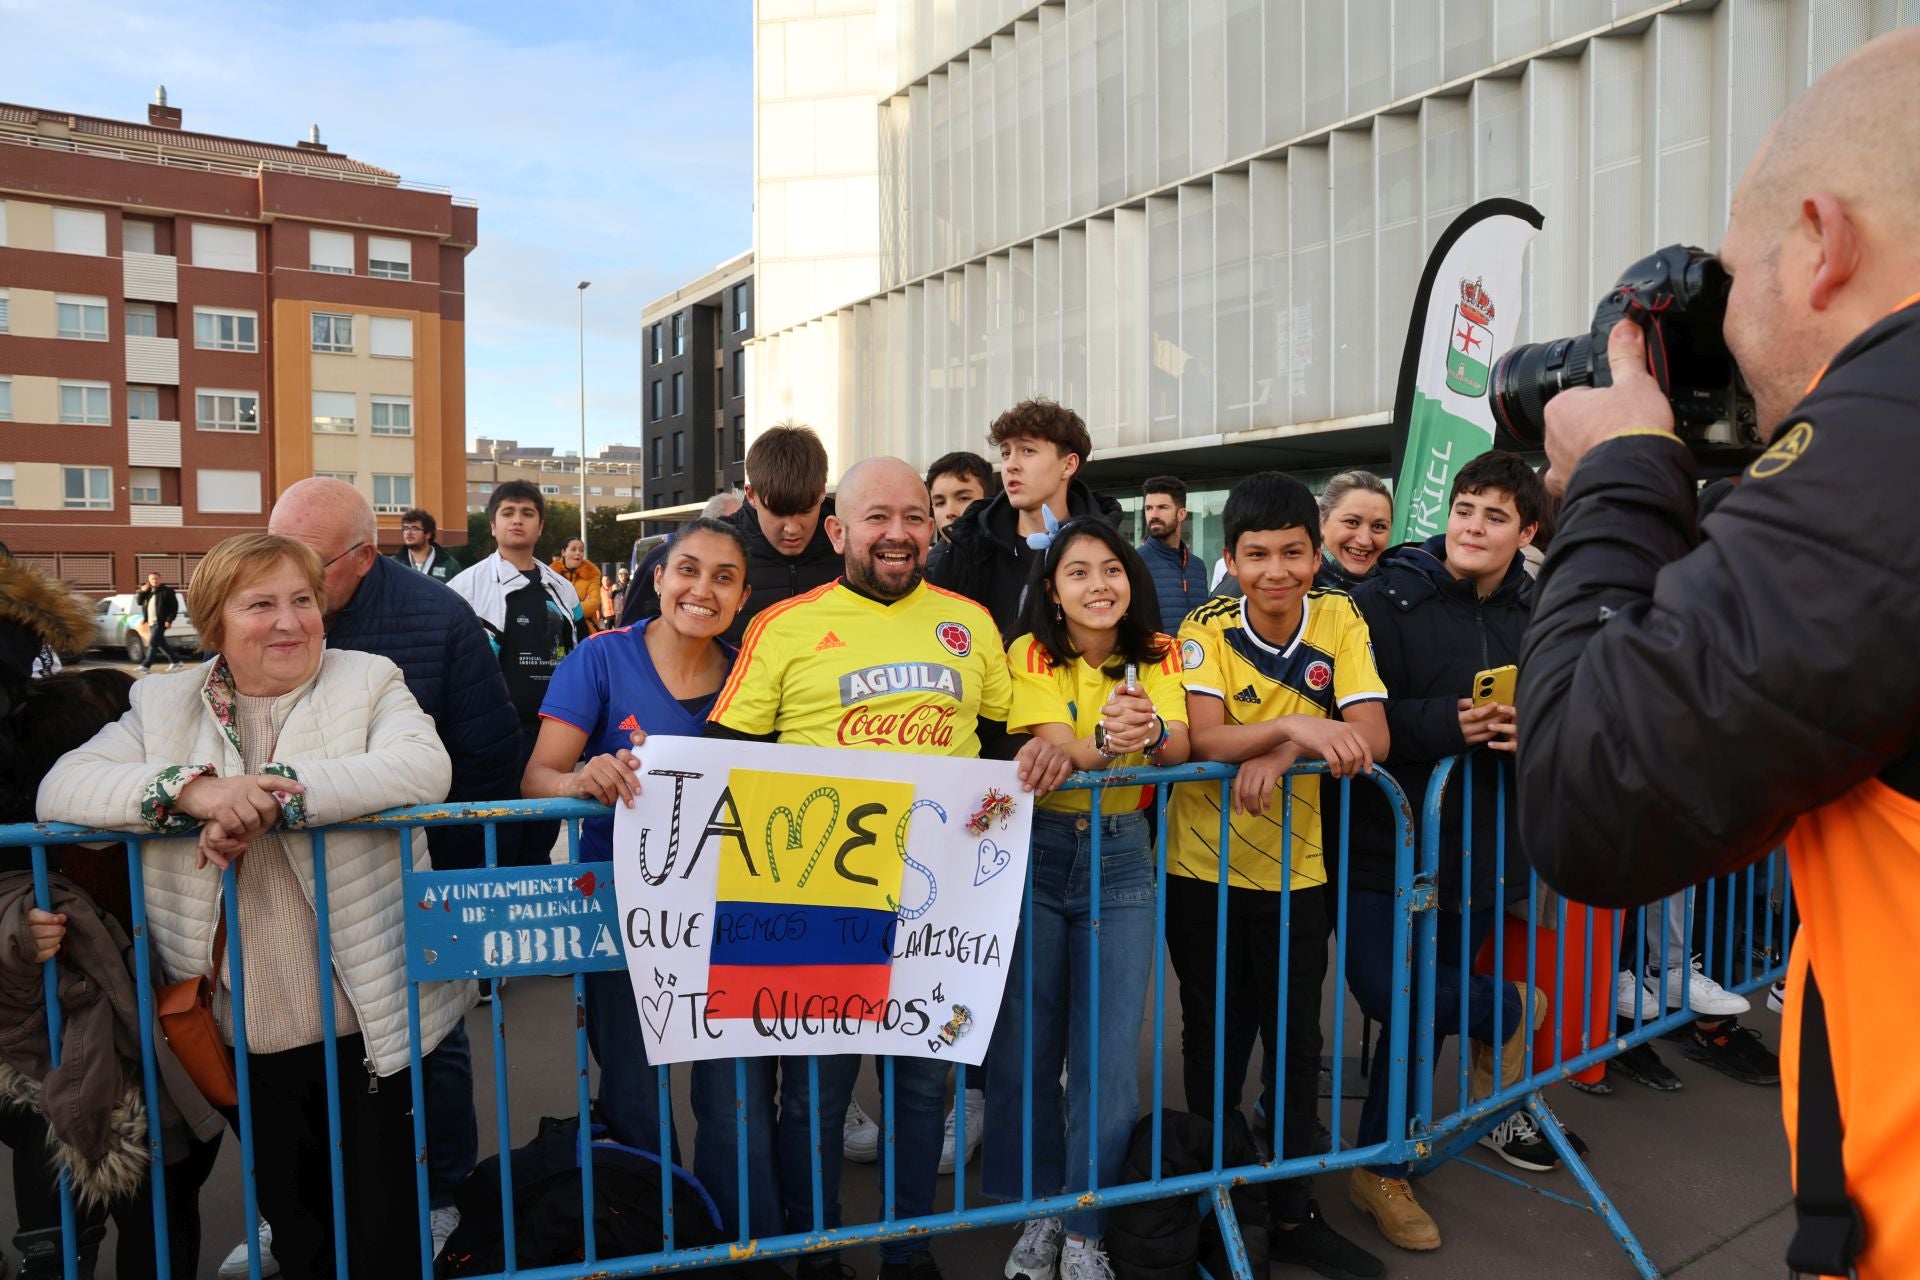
809 912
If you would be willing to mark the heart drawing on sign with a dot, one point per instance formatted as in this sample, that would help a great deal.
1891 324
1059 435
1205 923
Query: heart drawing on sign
992 861
656 1009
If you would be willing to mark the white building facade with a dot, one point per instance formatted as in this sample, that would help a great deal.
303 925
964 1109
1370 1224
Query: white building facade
1200 223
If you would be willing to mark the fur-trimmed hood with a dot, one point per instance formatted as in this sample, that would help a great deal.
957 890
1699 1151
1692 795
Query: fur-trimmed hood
116 1171
60 619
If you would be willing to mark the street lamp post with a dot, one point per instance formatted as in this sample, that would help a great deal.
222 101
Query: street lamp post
582 289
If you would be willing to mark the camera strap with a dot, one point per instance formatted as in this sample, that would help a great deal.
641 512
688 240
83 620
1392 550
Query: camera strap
1830 1232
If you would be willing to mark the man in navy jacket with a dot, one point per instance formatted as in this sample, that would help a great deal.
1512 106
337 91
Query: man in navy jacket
376 605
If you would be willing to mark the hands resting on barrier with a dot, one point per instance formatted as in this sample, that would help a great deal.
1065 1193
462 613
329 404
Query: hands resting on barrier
233 812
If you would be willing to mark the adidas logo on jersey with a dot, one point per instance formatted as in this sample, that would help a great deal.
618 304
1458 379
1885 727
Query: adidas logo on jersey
630 724
1247 694
829 641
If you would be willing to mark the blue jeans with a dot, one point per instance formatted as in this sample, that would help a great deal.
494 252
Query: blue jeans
1371 974
1064 1026
717 1100
919 1123
453 1131
630 1106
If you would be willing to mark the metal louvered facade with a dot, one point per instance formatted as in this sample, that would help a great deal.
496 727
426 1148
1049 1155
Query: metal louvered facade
1200 223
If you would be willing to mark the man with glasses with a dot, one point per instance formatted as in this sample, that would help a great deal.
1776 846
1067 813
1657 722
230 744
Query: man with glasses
377 605
420 548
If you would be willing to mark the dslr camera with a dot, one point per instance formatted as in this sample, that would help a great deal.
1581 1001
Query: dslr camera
1678 295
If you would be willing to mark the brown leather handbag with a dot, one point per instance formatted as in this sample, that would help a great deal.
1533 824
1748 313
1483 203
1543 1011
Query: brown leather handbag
185 1012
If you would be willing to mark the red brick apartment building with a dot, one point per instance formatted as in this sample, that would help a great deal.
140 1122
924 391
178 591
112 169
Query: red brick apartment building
191 323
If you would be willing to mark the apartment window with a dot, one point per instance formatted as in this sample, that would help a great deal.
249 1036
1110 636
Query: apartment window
679 496
392 336
679 394
739 371
333 333
653 343
137 236
87 488
654 402
393 415
215 330
739 308
227 492
392 494
86 403
143 320
659 448
6 399
679 452
6 484
83 318
550 489
227 411
680 333
5 307
330 251
224 248
345 477
143 486
389 259
335 412
143 402
739 437
80 231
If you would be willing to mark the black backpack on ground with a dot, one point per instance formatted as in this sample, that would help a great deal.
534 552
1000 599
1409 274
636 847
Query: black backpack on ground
1169 1239
546 1206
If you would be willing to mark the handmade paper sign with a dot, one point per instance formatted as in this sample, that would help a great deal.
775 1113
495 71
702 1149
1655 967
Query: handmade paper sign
793 900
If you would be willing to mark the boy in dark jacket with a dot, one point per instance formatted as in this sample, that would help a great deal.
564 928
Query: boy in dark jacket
784 521
1439 612
986 556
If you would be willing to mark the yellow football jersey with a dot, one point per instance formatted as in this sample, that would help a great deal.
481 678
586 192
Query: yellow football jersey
834 668
1072 694
1326 666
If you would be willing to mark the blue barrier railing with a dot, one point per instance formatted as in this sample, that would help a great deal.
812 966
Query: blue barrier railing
1437 1139
1416 1131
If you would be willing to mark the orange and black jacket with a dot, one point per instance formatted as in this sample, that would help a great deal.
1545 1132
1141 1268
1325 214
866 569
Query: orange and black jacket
1686 693
1689 696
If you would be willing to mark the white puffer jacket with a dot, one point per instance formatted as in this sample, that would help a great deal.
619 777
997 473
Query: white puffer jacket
358 743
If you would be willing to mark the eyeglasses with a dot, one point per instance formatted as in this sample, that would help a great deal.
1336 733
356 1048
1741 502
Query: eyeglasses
328 564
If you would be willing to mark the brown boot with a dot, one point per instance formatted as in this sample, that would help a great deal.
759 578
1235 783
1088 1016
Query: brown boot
1513 1054
1390 1203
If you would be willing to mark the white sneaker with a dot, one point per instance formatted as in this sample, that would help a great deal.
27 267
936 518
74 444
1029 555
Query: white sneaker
976 1117
1036 1253
1704 995
442 1222
1087 1261
235 1266
860 1139
1777 996
1624 989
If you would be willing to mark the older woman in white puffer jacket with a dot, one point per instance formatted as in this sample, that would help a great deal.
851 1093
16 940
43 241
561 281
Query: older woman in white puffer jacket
238 755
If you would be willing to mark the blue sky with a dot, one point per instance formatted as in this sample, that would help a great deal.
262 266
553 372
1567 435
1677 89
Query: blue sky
607 142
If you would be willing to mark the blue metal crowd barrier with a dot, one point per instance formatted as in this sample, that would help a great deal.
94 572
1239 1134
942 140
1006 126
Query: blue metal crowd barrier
1438 1138
437 951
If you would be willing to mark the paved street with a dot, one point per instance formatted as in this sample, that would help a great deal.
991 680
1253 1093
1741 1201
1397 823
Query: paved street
1700 1175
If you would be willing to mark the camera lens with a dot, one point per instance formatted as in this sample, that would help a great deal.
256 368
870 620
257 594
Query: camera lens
1528 376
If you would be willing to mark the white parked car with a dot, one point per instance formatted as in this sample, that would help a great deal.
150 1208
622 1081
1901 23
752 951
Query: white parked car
113 628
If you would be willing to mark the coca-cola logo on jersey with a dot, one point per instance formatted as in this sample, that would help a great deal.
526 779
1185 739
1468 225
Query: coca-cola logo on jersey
925 725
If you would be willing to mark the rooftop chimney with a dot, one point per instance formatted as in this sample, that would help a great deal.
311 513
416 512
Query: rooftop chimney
312 141
159 114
